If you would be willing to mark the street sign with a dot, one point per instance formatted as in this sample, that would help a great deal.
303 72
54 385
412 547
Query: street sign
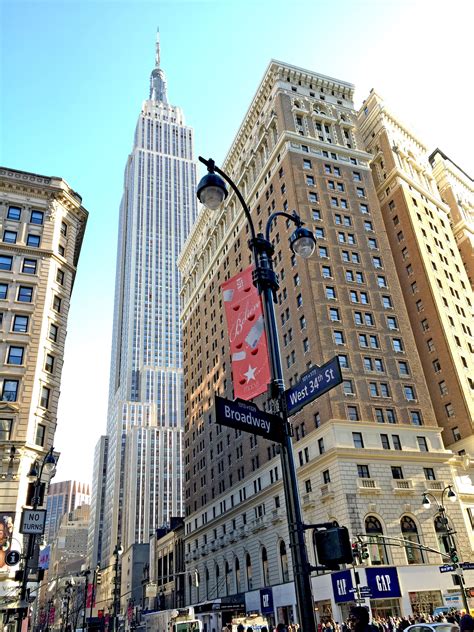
446 568
12 558
467 566
33 521
314 383
247 417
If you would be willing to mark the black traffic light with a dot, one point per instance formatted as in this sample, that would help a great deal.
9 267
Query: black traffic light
453 554
98 577
364 553
333 547
356 552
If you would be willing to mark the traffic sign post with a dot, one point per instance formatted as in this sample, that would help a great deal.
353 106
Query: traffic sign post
314 383
247 417
33 521
447 568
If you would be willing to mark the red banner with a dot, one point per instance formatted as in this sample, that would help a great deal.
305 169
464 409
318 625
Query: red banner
247 338
90 596
52 612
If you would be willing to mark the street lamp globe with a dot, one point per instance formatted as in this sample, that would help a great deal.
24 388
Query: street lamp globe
451 495
426 502
212 191
302 242
49 462
33 472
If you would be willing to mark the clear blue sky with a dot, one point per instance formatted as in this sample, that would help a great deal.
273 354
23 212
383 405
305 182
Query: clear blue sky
74 74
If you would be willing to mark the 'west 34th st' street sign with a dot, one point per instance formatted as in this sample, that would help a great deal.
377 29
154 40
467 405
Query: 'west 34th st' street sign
316 381
247 417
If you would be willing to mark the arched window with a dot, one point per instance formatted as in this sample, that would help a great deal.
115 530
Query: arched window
197 579
284 562
227 577
238 587
377 547
217 580
206 575
248 568
265 572
410 533
441 527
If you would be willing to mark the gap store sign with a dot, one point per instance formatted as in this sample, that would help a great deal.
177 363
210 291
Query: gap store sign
383 582
342 586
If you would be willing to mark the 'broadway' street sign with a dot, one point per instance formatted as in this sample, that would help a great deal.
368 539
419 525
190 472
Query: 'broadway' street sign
247 417
316 381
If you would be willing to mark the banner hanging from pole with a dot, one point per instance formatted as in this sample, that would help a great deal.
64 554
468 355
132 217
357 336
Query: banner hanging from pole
247 338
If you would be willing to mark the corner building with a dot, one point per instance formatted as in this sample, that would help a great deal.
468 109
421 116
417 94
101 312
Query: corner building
365 451
145 414
42 224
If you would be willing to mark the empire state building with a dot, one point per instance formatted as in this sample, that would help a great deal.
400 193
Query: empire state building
145 411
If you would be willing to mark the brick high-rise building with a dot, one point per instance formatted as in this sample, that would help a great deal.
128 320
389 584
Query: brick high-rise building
365 451
42 227
428 231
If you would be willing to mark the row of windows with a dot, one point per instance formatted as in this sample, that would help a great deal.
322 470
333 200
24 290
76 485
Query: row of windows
6 430
14 213
25 294
10 390
16 354
381 415
380 389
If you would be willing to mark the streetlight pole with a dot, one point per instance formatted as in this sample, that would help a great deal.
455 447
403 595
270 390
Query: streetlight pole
451 542
211 192
48 464
116 602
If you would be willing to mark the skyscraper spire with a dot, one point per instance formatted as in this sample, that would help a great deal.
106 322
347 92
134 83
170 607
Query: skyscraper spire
158 79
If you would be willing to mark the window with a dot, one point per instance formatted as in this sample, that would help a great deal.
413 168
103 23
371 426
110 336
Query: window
436 365
456 434
384 390
372 243
339 337
449 410
20 324
9 236
6 262
415 417
381 281
14 212
321 446
40 434
364 208
353 413
330 292
343 360
326 272
410 533
363 471
396 442
378 551
57 304
60 276
15 355
358 440
356 176
360 192
53 332
326 477
317 420
374 342
392 323
422 444
307 164
49 363
45 395
64 228
33 240
37 217
3 291
397 472
443 388
377 262
368 226
429 473
299 300
25 294
310 180
409 392
385 441
29 266
323 252
334 314
363 340
403 368
319 233
10 390
5 429
348 387
306 345
397 344
317 215
387 302
313 197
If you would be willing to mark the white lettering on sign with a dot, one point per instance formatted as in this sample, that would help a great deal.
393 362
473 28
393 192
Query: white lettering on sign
33 521
383 583
247 418
266 601
341 587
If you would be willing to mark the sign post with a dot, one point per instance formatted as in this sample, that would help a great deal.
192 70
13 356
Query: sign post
33 521
314 383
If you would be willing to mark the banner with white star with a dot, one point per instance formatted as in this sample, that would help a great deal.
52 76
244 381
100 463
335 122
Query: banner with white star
247 338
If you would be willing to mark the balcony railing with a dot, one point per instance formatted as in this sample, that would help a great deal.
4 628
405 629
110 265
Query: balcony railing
367 485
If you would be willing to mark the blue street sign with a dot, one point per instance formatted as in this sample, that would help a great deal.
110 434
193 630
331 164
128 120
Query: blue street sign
314 383
247 417
467 566
446 568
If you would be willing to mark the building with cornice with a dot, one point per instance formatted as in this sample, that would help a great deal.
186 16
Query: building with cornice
426 204
145 414
42 227
366 451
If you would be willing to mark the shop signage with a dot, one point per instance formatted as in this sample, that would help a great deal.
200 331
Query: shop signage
342 586
266 601
314 383
383 582
247 417
446 568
